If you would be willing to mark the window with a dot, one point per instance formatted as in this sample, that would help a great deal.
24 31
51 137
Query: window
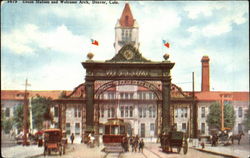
56 111
68 128
203 111
7 112
111 96
153 112
113 111
131 111
102 112
202 128
77 128
139 95
122 111
126 111
140 112
150 111
144 96
240 112
176 112
77 111
150 96
126 20
108 111
152 126
184 112
184 126
144 112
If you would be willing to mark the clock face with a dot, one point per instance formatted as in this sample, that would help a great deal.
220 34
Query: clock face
128 54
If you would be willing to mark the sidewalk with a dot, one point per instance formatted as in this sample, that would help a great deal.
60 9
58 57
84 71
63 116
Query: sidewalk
241 151
21 151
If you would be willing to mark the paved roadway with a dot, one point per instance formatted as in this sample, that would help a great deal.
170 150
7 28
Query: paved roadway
151 151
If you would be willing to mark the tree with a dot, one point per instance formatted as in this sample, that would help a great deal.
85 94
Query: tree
41 111
214 116
6 123
247 119
18 117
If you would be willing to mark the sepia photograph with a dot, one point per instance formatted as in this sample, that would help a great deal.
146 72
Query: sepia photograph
121 79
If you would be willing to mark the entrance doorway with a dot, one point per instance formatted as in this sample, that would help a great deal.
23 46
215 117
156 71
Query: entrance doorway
143 130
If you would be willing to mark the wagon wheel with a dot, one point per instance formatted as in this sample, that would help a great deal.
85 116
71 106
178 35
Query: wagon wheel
185 147
178 150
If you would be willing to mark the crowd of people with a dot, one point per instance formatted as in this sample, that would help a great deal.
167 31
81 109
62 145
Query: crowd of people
135 143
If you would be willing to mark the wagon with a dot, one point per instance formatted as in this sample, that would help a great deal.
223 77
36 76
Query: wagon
53 141
174 139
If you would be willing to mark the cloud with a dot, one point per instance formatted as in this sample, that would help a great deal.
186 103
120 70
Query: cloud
27 39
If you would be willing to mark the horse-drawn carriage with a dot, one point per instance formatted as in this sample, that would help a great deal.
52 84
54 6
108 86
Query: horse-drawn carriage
115 136
53 141
174 139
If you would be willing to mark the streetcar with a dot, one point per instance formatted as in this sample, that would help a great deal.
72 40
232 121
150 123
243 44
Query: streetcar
115 135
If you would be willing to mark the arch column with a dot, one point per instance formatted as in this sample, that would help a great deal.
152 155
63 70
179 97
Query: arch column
89 89
166 105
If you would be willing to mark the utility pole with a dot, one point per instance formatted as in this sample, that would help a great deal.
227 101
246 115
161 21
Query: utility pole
25 113
222 112
195 109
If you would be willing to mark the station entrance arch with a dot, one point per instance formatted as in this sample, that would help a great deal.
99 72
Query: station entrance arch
128 65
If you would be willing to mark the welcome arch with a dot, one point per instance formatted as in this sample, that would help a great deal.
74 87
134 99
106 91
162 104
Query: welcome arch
128 65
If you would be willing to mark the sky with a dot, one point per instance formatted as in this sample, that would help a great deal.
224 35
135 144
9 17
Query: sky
46 43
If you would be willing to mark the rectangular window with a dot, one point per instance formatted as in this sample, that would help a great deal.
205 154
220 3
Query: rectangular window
7 112
185 112
56 111
154 112
126 95
131 96
75 111
176 112
152 126
113 111
79 110
144 112
139 95
131 111
122 111
150 111
202 128
77 128
102 112
240 112
126 111
140 112
68 128
108 111
203 112
144 96
184 126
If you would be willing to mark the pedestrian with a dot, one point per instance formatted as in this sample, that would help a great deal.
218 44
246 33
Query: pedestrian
136 142
202 145
141 146
72 137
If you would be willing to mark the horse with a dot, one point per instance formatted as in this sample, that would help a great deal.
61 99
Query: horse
237 137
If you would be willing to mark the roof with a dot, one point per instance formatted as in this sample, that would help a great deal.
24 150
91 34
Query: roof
216 96
126 19
19 94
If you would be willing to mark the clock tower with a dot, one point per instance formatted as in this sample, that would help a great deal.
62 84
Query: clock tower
126 30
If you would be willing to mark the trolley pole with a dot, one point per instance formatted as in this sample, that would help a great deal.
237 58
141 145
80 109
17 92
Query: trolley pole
25 114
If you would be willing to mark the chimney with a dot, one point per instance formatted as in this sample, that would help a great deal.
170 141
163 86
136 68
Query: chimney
205 83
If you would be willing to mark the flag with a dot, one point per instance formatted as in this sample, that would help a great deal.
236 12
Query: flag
166 44
94 42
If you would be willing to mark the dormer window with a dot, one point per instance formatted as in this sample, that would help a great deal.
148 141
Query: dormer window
126 20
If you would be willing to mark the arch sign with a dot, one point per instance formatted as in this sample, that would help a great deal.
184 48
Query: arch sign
148 85
128 68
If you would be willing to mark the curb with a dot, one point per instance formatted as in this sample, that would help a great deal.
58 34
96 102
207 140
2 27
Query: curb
215 153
